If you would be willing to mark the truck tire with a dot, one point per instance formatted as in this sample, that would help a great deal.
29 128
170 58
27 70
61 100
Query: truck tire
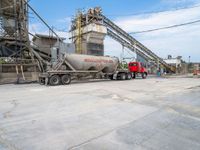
144 75
54 80
42 81
128 76
134 75
66 79
122 76
111 77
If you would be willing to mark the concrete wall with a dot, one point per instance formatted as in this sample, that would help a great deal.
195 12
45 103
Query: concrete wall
8 74
13 77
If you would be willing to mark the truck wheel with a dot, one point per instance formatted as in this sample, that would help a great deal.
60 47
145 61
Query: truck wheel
42 81
54 80
122 76
134 75
66 79
111 77
144 75
128 76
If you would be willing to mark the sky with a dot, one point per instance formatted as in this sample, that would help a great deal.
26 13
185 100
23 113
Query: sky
182 41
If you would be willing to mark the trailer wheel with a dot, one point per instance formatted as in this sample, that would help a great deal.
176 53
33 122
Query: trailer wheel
42 81
66 79
54 80
144 75
128 76
111 77
122 76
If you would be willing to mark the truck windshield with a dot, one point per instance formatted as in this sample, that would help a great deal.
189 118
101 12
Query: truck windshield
132 65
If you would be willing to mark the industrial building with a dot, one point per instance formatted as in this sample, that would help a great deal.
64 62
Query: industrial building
45 43
88 33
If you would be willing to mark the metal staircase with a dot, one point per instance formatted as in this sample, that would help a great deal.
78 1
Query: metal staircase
127 40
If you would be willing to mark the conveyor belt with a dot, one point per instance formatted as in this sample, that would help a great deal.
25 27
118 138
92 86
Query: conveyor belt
123 37
126 44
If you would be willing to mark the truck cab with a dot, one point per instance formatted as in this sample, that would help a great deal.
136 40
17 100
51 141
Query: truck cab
137 68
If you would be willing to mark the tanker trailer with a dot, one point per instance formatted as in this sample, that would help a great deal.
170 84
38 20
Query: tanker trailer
95 63
78 66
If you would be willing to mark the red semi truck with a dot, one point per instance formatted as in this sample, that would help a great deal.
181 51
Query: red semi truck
137 68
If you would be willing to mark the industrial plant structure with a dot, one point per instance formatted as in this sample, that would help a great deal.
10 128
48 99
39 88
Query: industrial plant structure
14 39
17 58
88 32
22 60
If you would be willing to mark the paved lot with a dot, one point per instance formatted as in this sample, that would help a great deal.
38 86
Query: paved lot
151 114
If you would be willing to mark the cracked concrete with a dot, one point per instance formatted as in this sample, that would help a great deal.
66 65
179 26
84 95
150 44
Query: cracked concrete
149 114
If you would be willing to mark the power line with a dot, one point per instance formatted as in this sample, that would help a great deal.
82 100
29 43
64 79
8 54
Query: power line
41 19
164 28
152 12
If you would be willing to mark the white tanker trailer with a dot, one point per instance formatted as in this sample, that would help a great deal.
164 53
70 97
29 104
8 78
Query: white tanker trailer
95 63
76 66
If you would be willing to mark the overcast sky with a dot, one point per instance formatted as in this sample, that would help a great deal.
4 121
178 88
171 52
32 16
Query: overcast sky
183 41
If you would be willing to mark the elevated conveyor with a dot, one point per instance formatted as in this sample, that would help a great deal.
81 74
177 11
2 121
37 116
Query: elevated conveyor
127 40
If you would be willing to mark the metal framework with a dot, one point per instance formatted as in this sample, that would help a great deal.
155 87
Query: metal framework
92 16
14 28
95 16
132 42
79 37
14 34
123 42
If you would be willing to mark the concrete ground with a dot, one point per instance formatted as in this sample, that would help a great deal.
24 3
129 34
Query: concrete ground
151 114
